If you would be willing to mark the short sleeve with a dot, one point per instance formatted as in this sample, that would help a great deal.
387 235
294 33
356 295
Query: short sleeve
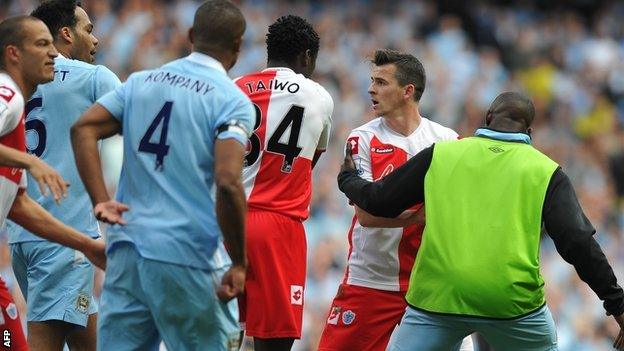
236 119
114 101
328 112
105 81
451 135
11 107
23 184
360 151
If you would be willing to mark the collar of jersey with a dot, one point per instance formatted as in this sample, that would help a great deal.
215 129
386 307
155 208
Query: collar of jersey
61 56
505 136
206 60
278 69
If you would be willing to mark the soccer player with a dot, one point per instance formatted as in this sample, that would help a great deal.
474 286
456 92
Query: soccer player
292 124
56 281
371 299
478 266
27 59
185 126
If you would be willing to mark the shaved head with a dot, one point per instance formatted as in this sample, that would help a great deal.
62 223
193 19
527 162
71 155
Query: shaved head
513 107
217 26
12 32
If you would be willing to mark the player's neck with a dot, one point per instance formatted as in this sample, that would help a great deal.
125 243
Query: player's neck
404 121
63 50
26 88
277 63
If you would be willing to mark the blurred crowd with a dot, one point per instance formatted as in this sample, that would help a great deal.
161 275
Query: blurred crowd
569 59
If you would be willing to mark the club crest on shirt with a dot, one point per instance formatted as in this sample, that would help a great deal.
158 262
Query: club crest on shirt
6 93
296 295
334 315
348 317
354 142
11 311
82 303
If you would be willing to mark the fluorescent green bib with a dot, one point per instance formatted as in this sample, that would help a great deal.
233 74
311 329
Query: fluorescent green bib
480 250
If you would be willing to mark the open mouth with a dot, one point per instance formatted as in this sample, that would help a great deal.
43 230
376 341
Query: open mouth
375 103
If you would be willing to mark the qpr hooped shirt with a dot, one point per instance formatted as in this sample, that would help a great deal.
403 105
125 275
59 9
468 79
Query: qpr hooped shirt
13 135
382 258
293 120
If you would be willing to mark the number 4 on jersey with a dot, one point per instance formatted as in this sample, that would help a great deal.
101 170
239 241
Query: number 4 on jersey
290 150
160 149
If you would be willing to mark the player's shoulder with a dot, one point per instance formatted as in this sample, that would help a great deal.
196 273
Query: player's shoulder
98 71
10 93
368 130
438 130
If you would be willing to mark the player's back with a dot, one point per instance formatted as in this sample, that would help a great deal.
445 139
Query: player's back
169 123
50 113
293 118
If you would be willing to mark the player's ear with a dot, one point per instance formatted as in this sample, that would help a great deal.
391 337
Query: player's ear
12 54
66 35
190 35
488 117
409 91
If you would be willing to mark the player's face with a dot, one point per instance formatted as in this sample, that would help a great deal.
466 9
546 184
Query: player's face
385 91
38 53
85 43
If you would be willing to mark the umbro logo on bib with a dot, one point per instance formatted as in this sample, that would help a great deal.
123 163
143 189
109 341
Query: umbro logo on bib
496 149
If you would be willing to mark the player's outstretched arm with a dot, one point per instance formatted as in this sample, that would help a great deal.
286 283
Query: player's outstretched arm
231 210
45 175
34 218
96 124
405 219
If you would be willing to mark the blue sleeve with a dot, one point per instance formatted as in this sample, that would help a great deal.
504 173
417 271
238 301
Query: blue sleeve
114 101
239 111
105 81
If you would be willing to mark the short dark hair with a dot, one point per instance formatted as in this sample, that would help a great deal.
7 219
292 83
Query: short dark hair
57 14
217 25
12 33
290 36
409 70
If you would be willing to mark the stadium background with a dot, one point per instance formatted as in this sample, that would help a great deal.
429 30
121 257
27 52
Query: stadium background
568 58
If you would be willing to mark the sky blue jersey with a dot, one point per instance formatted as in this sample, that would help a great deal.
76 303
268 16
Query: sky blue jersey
170 118
50 113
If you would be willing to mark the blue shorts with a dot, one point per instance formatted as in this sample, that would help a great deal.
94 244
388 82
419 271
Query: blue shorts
424 331
56 281
144 301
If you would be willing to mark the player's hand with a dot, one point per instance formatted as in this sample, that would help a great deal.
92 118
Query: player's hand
110 212
348 164
232 283
47 177
618 344
96 253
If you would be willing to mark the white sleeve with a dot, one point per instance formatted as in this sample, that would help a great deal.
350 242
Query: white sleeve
327 114
360 150
11 108
23 181
451 135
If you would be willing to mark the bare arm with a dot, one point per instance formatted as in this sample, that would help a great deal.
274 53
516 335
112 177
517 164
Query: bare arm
406 219
96 124
34 218
231 211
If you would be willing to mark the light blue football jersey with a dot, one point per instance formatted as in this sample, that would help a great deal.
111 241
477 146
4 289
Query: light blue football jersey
170 118
50 113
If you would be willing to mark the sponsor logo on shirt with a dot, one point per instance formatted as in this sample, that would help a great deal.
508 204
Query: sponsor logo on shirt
348 317
383 149
334 315
296 295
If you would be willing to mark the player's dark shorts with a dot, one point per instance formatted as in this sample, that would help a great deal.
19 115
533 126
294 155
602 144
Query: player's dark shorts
272 306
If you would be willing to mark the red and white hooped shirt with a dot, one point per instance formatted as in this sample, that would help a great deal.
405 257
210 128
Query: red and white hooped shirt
382 258
13 135
293 120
